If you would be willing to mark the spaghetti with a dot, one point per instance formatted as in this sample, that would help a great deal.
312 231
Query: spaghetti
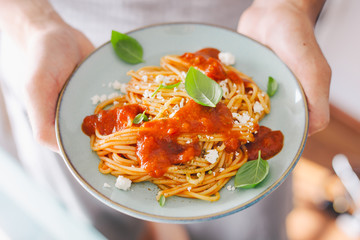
186 149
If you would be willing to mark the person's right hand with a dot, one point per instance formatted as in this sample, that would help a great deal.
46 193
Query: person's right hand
53 51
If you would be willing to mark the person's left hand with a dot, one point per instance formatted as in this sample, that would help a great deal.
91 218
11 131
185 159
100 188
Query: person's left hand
289 31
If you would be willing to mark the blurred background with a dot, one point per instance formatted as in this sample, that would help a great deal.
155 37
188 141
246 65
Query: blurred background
320 199
322 205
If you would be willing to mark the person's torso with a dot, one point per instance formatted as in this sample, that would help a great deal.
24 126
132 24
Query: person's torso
97 18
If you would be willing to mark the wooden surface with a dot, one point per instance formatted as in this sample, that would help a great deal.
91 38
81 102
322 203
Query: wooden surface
316 186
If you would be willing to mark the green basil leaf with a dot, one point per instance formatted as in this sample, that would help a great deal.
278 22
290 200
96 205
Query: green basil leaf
166 87
140 117
162 201
272 86
171 86
127 48
252 173
202 89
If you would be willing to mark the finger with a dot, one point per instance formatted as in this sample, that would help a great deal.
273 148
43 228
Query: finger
41 101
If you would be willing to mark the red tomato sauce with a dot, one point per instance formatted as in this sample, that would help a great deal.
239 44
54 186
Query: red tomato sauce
208 61
157 153
157 148
109 121
267 141
157 145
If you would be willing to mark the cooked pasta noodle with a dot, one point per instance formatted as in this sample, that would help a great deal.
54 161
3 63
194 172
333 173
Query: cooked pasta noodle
197 178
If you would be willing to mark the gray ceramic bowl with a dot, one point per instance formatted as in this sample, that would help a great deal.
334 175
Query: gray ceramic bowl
289 114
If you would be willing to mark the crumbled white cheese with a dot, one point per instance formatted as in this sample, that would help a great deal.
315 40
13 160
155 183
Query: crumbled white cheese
223 85
95 99
103 98
258 108
159 79
106 185
230 188
112 95
221 169
163 79
227 58
211 155
183 75
176 108
144 78
123 183
147 94
123 88
137 87
168 80
181 104
189 188
243 118
119 86
159 96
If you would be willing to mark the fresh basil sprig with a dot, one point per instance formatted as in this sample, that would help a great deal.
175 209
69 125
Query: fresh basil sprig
252 173
127 48
272 86
162 201
202 89
140 118
166 87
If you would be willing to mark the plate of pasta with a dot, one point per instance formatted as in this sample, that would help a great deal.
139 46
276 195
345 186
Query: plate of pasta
192 130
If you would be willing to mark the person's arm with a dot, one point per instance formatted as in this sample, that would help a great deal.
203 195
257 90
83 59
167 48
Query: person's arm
53 49
287 27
